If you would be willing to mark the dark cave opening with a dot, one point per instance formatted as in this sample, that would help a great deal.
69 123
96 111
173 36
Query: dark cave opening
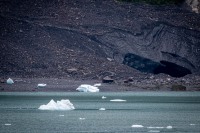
146 65
172 69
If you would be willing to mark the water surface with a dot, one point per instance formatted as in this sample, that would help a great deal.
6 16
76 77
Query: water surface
153 111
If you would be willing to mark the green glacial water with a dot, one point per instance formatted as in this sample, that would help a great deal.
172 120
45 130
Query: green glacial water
142 112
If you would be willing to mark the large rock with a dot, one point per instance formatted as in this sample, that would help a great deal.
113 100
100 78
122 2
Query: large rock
194 4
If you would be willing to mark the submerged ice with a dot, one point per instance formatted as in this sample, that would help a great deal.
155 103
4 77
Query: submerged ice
64 104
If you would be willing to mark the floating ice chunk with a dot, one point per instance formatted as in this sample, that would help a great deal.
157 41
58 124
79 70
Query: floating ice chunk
102 109
154 131
156 127
192 124
169 127
118 100
103 97
9 81
81 118
87 88
137 126
61 115
7 124
96 85
59 105
41 85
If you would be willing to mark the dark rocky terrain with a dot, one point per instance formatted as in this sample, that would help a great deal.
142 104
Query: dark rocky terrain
91 39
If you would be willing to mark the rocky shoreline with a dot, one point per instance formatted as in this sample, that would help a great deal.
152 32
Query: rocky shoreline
148 83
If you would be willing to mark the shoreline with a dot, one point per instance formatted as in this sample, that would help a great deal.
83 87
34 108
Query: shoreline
70 85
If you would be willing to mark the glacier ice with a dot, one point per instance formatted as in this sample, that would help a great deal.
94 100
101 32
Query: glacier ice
87 88
64 104
9 81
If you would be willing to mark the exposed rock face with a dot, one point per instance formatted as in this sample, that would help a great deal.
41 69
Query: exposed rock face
194 4
48 38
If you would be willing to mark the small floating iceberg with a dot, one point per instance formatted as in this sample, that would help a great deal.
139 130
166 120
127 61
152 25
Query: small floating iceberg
59 105
103 97
81 118
137 126
7 124
41 85
169 127
9 81
96 85
87 88
102 109
118 100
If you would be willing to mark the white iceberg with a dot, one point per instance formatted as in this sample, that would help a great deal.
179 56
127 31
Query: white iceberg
9 81
59 105
102 109
169 127
7 124
81 118
87 88
96 85
103 97
118 100
137 126
41 85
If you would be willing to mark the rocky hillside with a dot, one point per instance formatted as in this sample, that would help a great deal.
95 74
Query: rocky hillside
95 38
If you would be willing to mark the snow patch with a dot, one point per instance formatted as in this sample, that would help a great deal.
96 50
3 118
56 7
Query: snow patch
59 105
87 88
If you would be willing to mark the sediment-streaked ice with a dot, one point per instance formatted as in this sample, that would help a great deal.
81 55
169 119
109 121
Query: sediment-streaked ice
87 88
137 126
118 100
59 105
